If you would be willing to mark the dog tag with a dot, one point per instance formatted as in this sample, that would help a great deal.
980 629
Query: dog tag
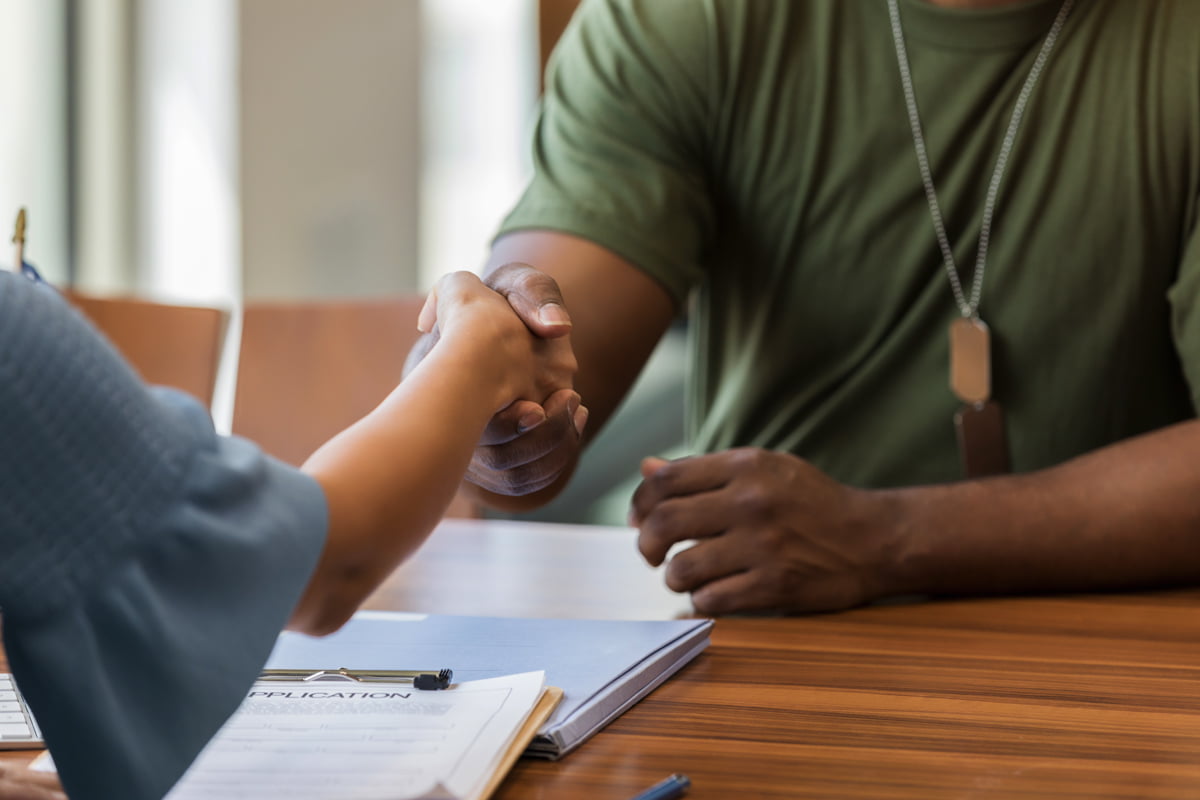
982 445
970 360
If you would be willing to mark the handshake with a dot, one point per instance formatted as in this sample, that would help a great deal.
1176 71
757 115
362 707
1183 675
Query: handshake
513 333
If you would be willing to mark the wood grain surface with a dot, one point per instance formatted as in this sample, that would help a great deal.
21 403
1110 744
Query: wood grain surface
1082 697
1077 697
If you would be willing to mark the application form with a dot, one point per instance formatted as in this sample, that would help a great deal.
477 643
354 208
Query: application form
320 740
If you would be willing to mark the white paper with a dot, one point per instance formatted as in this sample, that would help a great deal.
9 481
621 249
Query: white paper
353 741
602 666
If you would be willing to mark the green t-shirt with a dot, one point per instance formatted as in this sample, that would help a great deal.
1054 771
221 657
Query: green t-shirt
756 159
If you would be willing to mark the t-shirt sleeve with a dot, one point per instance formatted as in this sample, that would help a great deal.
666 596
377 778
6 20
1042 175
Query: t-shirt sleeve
1184 297
619 146
149 563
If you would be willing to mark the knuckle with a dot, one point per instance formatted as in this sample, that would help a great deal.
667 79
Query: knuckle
514 482
547 440
742 455
508 416
783 583
502 277
661 483
452 284
539 473
755 499
532 278
772 539
485 479
521 278
525 480
708 603
650 541
680 574
489 458
662 520
650 534
752 459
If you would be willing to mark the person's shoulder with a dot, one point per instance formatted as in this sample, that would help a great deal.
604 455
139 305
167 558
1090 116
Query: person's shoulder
1169 19
1181 18
669 20
721 14
1157 38
651 41
697 35
679 20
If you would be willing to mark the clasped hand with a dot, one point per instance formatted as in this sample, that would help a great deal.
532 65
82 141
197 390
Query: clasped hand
770 531
533 441
519 362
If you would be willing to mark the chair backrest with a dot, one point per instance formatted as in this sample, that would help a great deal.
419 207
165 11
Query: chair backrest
169 345
308 370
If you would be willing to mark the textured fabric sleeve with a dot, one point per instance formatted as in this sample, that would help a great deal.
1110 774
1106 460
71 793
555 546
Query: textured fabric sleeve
619 146
148 563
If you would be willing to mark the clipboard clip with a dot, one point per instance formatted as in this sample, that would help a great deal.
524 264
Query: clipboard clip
425 679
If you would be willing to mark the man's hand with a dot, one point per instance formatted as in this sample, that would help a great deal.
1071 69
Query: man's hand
529 445
19 783
772 533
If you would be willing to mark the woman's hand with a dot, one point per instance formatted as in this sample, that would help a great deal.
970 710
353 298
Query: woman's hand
511 359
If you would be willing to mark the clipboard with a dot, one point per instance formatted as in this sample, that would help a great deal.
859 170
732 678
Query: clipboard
425 680
497 769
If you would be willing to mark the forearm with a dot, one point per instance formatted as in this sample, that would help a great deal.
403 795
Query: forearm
1127 515
387 480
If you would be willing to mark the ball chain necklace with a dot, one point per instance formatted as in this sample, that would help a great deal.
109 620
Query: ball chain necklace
979 422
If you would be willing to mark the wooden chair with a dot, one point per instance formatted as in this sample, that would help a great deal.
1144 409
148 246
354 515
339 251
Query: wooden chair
169 345
308 370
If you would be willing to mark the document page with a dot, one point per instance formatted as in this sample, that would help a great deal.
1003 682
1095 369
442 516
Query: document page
602 666
362 741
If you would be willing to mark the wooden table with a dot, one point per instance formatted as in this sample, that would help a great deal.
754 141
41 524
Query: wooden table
1060 697
1073 697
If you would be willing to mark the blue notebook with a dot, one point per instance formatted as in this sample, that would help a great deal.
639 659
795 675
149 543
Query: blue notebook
602 666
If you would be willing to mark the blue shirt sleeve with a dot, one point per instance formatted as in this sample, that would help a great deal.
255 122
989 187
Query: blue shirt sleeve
148 562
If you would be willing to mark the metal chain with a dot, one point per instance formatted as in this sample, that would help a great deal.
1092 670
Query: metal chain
968 309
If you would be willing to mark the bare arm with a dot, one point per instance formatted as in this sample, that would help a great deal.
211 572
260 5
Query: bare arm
1127 515
618 314
772 532
389 477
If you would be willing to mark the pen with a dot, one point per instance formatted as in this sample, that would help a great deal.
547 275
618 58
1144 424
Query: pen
669 789
20 266
420 678
19 241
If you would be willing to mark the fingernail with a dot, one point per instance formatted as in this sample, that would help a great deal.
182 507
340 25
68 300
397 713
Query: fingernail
580 419
553 314
530 420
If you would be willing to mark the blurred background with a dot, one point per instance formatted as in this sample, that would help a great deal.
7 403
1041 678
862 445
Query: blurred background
223 151
207 150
